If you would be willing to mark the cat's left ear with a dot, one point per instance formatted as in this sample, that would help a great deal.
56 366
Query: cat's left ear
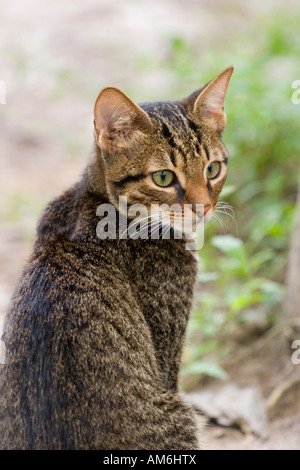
209 104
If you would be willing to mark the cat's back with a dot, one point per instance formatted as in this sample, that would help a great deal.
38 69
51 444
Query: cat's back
71 315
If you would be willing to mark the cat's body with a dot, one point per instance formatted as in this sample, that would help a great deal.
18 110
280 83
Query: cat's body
95 329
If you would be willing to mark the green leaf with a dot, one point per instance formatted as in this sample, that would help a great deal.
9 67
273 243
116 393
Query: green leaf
235 249
200 349
206 368
227 243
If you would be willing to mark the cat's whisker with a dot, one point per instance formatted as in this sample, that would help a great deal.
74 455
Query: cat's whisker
154 228
227 209
136 222
221 211
148 217
225 205
120 236
222 202
228 214
157 220
157 227
160 224
141 228
218 219
165 231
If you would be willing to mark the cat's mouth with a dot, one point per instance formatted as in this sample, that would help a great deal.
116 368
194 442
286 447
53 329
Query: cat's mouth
192 220
180 224
165 222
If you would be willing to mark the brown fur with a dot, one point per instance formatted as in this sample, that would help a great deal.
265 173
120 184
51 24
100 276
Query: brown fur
95 330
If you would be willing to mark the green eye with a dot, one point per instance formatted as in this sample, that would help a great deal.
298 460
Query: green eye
163 178
213 170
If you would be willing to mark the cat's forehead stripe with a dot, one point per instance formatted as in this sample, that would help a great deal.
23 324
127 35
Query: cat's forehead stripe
206 151
172 158
171 155
167 134
172 136
179 129
172 114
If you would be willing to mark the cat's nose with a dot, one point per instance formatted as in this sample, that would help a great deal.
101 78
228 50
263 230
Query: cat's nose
199 198
200 209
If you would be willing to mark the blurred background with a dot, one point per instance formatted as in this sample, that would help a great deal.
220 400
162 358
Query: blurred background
54 59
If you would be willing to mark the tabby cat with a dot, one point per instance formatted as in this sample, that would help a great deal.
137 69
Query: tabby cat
95 328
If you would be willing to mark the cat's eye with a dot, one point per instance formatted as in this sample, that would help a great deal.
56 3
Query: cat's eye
213 170
164 178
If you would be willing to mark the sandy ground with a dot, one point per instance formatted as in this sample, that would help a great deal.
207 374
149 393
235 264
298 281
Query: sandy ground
54 59
283 436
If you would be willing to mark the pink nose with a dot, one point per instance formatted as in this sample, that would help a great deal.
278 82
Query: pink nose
201 212
206 208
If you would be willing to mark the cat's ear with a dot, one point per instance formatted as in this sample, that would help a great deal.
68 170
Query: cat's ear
118 120
209 104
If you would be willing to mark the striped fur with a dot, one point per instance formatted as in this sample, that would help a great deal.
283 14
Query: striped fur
95 329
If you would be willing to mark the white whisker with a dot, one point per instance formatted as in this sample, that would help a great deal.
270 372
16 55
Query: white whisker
138 221
164 232
218 219
225 205
155 222
223 208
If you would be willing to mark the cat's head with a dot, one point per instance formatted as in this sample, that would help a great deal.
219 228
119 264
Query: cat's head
166 152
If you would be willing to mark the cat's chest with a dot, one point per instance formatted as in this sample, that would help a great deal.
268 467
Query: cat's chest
163 277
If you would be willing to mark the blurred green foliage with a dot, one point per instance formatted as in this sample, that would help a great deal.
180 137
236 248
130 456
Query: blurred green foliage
242 264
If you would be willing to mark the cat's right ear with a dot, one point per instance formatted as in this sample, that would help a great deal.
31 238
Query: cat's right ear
118 120
207 105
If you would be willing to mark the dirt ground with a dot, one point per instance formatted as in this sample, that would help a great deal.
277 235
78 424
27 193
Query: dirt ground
271 371
54 59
